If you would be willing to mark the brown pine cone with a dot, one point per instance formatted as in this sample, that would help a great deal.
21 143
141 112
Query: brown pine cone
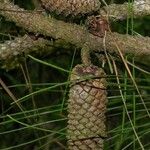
86 109
72 7
97 25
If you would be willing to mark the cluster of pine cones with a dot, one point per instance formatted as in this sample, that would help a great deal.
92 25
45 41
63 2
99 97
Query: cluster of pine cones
72 7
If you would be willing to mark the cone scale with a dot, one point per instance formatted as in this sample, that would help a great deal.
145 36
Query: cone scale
71 7
86 109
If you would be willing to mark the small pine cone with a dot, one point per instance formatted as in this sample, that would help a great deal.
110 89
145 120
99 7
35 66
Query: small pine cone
72 7
86 109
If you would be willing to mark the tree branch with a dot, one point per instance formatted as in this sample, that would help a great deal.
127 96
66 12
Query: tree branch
10 50
122 11
75 34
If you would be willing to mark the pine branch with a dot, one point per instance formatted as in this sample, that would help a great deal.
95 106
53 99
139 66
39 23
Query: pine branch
74 34
11 50
122 11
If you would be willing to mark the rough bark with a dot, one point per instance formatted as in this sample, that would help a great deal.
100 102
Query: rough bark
75 34
122 11
12 50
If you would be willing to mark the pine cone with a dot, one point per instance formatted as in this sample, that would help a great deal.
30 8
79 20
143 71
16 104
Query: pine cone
72 7
86 109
